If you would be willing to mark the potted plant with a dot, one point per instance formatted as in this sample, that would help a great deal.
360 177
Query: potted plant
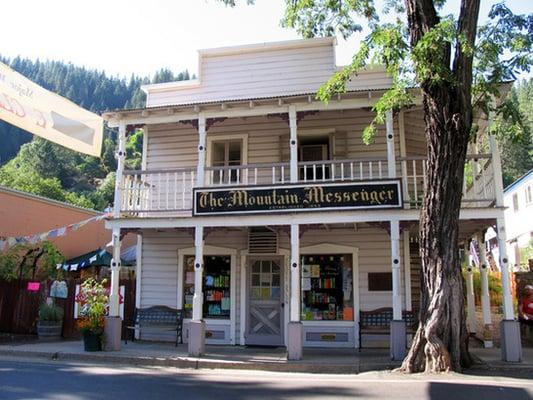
93 298
50 322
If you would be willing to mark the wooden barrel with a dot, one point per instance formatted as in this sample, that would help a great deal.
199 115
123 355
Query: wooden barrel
49 329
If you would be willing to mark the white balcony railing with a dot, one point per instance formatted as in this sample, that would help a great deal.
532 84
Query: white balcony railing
170 191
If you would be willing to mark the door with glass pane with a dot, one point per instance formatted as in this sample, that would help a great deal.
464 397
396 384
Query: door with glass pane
265 302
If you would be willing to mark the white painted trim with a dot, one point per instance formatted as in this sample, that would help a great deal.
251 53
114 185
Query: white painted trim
223 138
213 251
244 285
138 271
243 111
200 170
328 217
310 132
144 155
391 157
407 271
295 278
329 248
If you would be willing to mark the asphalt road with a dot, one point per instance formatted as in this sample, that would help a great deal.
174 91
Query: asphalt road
31 379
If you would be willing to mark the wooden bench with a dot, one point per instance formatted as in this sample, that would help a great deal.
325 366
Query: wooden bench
377 322
157 319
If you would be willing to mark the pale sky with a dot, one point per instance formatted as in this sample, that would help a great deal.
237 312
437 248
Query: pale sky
123 37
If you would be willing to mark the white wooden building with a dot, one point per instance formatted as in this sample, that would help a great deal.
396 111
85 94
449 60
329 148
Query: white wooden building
261 213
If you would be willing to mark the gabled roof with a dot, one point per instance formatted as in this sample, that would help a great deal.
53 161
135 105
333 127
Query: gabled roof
517 183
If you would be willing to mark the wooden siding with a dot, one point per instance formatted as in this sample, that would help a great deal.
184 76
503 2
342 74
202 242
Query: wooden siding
175 146
160 263
263 73
415 139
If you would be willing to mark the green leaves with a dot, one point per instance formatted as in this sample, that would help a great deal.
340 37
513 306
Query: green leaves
313 18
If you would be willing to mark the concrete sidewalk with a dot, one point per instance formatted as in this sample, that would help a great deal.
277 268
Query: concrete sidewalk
331 361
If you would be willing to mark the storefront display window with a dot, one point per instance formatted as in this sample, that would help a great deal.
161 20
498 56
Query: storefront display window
327 287
216 286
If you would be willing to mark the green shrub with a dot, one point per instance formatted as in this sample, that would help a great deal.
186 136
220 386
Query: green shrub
50 312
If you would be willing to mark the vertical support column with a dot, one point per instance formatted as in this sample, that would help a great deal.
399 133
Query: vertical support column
293 143
485 295
407 269
295 328
511 344
197 324
391 158
113 324
121 157
403 154
398 338
470 298
200 169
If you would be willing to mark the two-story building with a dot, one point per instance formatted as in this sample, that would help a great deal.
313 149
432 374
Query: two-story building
263 215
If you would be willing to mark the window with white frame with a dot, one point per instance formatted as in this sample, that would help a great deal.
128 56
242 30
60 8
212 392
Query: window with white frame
225 156
515 202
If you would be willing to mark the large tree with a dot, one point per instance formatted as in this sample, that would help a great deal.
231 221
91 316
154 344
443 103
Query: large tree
457 66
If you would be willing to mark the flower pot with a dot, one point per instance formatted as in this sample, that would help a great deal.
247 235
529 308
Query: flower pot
92 341
49 330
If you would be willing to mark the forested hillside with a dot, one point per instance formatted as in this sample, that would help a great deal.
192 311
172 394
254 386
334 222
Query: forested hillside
35 165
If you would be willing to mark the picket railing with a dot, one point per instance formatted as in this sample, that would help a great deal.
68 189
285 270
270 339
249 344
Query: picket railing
170 190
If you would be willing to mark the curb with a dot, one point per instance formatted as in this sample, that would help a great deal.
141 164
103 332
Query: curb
203 363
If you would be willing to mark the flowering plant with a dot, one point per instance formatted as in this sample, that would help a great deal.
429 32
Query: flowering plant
93 298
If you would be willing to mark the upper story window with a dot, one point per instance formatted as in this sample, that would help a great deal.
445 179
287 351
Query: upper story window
529 195
225 155
515 202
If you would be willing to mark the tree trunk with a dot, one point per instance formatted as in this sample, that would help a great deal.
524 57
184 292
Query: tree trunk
441 341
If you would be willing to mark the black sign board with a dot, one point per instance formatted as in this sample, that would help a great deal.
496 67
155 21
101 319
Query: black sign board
298 197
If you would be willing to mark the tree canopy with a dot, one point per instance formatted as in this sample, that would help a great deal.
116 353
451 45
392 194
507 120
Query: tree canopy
35 165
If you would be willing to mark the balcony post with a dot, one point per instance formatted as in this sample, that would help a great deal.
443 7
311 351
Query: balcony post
470 297
295 328
485 296
200 169
510 329
398 338
497 169
113 323
197 324
391 158
293 143
121 158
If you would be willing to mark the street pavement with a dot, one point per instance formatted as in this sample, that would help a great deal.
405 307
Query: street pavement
38 379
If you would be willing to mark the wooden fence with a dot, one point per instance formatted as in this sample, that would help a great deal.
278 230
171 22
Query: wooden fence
19 308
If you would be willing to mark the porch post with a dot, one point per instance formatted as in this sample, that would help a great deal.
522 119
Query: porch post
197 324
511 344
121 157
295 328
485 295
391 158
510 328
293 143
398 338
470 298
200 169
113 323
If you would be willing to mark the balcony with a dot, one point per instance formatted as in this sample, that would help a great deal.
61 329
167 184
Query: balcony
168 192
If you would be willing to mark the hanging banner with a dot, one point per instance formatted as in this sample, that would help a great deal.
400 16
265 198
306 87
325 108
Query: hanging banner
6 243
378 194
28 106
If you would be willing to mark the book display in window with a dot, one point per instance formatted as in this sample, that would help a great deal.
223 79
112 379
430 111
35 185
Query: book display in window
327 287
216 286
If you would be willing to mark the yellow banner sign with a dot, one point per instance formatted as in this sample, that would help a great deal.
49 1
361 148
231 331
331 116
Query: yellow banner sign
46 114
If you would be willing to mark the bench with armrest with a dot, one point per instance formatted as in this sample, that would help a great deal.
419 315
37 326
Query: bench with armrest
377 322
157 319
